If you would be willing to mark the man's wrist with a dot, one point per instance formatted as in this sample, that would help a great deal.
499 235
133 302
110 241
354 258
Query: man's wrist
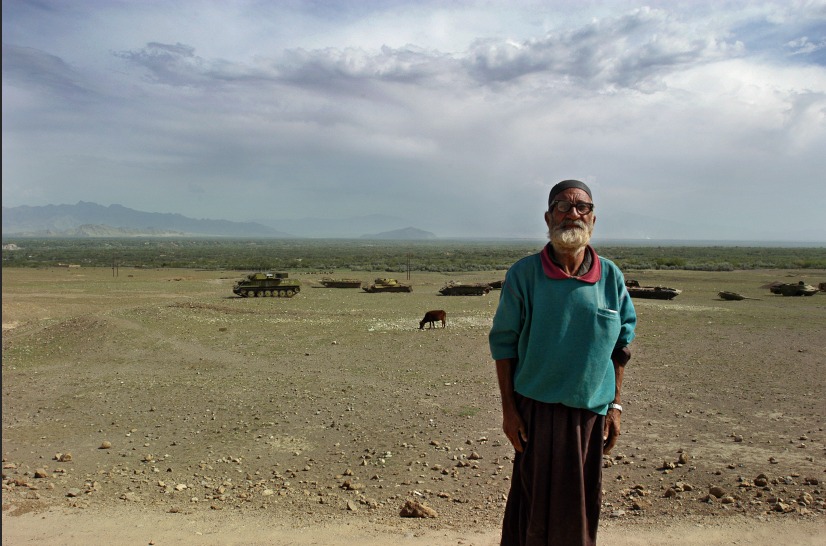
617 407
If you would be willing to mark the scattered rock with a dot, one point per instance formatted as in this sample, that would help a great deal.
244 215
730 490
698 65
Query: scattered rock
716 491
414 509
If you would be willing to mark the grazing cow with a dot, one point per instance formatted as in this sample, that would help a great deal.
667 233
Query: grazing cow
432 317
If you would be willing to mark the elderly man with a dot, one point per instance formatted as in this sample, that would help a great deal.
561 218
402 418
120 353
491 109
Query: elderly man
560 340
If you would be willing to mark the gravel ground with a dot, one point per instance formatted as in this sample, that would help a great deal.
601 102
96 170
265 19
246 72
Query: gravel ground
158 394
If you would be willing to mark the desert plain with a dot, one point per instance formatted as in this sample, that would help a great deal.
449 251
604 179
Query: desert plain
153 406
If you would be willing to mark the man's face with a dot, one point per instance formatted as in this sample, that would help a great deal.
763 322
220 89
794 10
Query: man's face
570 230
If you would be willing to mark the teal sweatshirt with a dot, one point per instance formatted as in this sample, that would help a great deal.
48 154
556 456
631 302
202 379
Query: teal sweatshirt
562 330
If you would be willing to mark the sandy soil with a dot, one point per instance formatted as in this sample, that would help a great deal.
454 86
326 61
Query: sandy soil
155 407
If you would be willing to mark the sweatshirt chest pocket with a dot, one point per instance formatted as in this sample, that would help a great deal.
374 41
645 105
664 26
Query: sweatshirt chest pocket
607 325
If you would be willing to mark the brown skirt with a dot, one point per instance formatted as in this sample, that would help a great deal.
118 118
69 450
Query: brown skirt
556 487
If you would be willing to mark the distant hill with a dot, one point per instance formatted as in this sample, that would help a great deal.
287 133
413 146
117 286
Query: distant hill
92 220
351 227
405 234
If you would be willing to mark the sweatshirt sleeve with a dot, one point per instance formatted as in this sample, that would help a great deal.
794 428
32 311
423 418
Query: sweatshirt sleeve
628 316
507 323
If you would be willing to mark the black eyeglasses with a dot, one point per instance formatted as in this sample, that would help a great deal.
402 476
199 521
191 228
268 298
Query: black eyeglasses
581 207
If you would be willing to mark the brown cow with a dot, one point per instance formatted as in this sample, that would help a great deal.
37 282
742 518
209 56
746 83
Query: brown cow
432 317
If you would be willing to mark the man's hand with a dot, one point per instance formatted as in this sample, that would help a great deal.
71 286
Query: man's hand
514 428
612 430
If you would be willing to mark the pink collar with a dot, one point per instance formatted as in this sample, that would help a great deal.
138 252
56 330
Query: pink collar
553 271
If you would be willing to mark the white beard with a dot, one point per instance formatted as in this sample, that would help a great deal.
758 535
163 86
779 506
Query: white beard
569 239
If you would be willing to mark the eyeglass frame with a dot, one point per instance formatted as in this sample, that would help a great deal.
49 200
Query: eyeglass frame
577 205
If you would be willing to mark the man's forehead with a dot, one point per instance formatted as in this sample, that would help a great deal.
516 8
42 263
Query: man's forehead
572 194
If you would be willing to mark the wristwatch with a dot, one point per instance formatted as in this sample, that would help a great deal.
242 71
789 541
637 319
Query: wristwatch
615 406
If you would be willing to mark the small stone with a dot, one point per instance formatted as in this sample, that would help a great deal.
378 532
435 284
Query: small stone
40 473
106 444
805 499
716 491
414 509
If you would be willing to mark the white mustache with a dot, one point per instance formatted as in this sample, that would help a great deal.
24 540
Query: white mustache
572 224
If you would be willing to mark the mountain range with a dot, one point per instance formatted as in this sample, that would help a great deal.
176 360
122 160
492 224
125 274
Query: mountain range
86 219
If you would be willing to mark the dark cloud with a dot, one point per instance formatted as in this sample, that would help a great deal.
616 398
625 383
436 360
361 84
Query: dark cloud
37 70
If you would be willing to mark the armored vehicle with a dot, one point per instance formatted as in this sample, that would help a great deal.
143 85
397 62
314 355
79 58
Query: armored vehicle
460 289
733 296
340 283
267 284
651 292
796 289
387 285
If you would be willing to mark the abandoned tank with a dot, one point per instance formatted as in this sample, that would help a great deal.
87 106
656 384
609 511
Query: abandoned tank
462 289
651 292
267 284
387 285
795 289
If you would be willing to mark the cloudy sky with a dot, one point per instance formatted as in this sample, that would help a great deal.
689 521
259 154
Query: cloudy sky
691 120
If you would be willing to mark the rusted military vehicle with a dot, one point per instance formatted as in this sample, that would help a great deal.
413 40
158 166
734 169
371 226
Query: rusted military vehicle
651 292
267 284
462 289
387 285
327 282
733 296
796 289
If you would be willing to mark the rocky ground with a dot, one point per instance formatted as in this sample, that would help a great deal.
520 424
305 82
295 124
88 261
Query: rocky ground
159 392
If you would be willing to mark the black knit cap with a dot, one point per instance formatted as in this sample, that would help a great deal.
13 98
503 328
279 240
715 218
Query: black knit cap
566 185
